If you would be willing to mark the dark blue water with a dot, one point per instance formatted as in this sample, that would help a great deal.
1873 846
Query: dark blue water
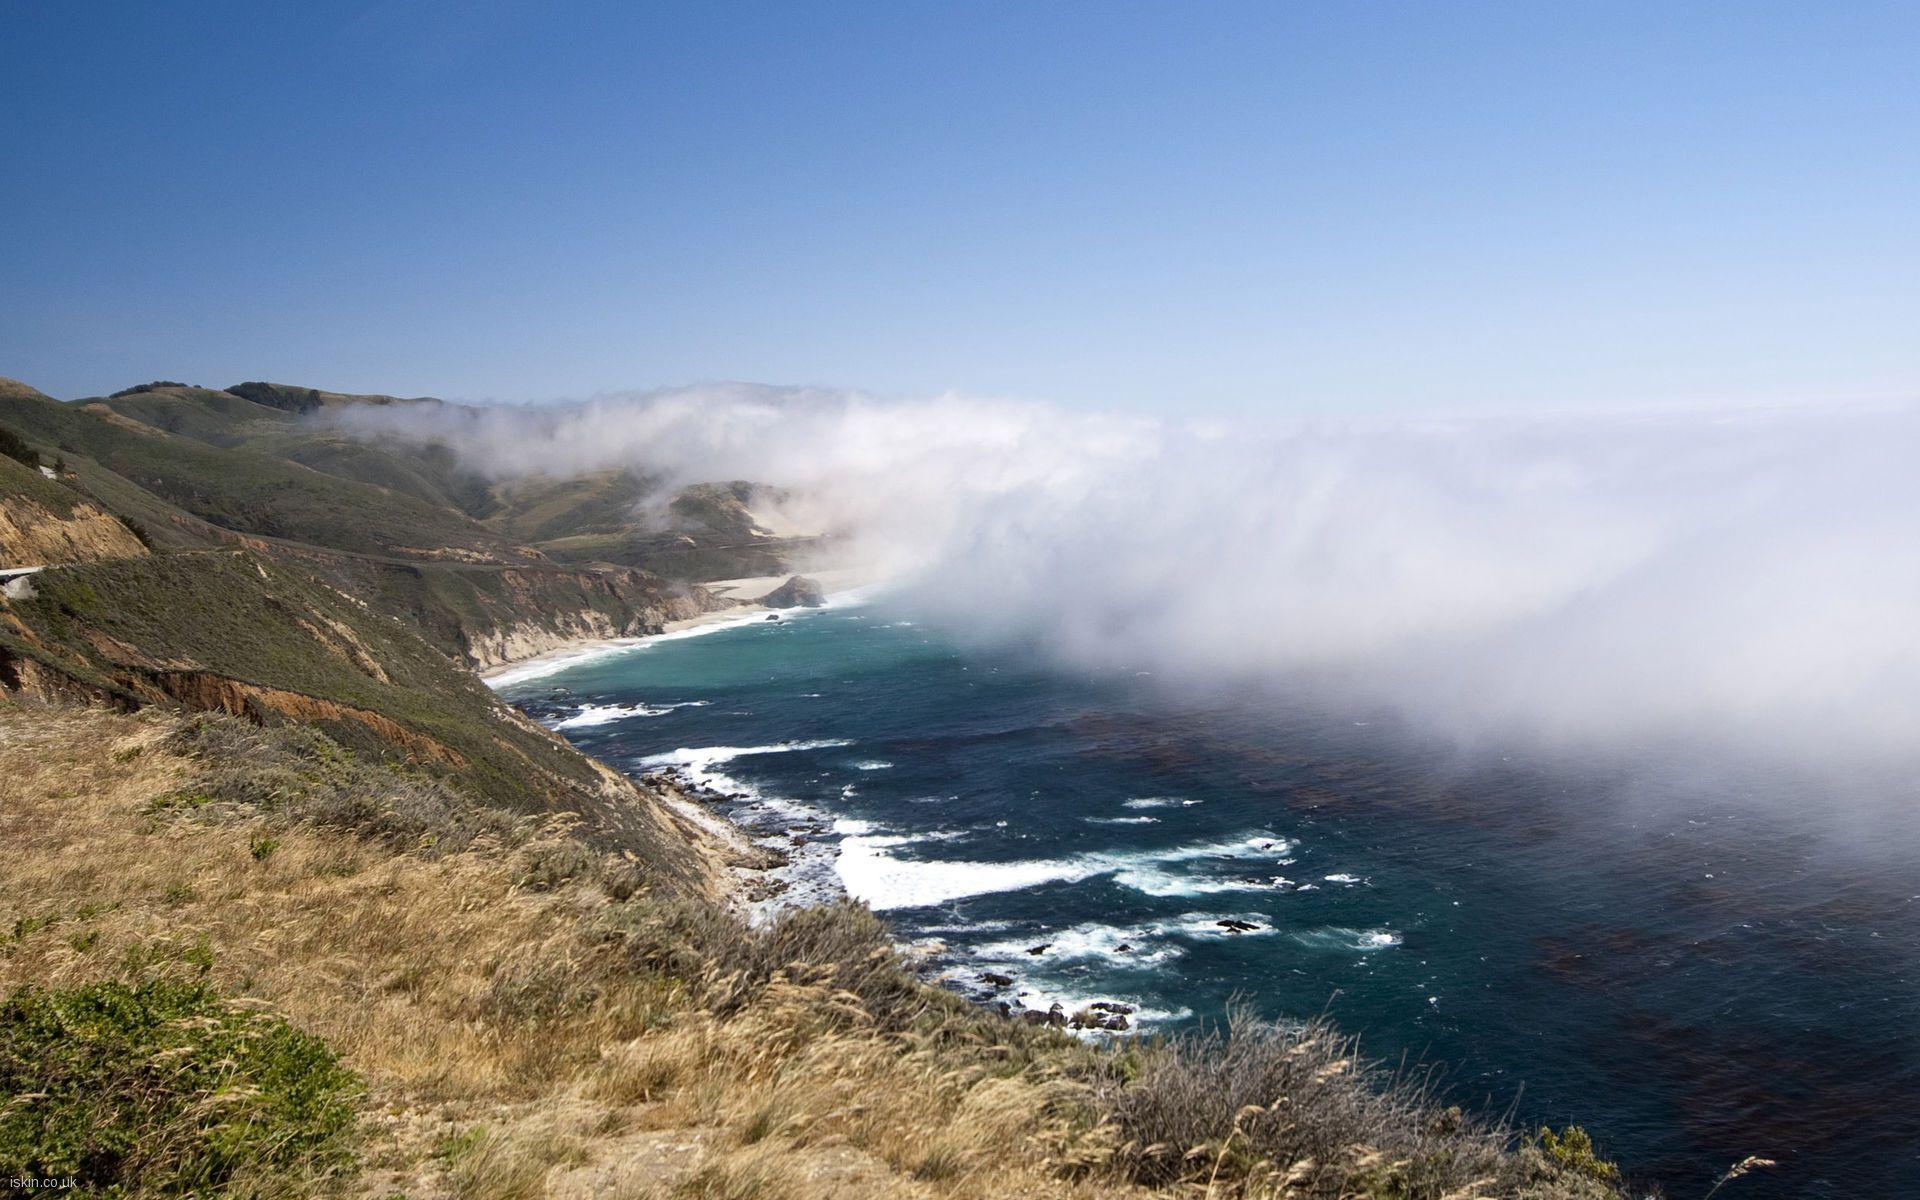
1686 963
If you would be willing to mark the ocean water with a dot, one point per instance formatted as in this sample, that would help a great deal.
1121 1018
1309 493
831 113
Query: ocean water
1689 964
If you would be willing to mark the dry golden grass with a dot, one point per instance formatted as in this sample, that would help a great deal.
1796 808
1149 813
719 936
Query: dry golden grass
511 1049
530 1028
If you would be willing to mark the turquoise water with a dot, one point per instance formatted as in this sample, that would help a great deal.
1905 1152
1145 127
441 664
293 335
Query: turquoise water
1682 962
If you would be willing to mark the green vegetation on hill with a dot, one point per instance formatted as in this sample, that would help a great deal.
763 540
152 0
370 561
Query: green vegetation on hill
233 631
166 1088
244 490
13 446
17 478
217 418
197 467
543 507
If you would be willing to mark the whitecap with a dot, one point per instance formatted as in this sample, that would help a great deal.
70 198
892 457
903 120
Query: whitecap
1164 883
1199 924
700 765
603 714
885 882
1341 938
1121 820
872 764
1088 940
707 756
1037 996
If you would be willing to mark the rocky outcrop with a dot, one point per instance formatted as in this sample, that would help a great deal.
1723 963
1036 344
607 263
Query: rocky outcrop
797 592
486 617
485 646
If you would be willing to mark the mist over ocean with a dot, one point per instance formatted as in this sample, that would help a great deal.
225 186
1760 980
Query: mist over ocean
1692 964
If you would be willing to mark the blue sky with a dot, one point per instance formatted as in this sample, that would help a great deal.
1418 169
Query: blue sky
1286 208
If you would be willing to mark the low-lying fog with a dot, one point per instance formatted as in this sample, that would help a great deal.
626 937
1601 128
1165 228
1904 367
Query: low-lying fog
1741 580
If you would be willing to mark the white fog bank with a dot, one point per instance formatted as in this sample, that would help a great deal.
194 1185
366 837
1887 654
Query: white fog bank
1745 577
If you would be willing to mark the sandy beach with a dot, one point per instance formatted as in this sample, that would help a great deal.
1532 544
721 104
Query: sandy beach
747 591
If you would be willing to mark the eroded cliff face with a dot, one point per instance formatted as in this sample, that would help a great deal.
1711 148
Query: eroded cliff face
33 534
536 631
236 633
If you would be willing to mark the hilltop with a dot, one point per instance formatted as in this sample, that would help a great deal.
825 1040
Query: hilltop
486 570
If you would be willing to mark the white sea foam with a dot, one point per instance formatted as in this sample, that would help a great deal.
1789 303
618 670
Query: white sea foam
1035 991
603 714
887 882
869 873
1160 802
1089 940
1207 925
872 764
1165 883
1038 996
1121 820
702 756
1257 844
1341 938
700 765
1343 878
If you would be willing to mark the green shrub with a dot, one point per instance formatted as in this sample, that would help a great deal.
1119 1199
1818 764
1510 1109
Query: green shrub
1571 1152
163 1088
15 447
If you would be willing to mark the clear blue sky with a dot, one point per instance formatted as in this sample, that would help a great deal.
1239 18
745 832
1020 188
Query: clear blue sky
1301 207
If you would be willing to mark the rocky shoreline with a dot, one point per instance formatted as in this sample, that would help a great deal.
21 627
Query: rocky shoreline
796 849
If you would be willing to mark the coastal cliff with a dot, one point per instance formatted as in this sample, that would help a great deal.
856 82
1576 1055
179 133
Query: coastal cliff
380 933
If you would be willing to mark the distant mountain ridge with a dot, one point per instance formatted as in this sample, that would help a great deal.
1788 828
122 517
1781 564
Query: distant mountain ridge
224 550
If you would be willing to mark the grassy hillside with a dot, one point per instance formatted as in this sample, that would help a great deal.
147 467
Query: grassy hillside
196 469
232 631
240 489
450 1018
199 466
485 616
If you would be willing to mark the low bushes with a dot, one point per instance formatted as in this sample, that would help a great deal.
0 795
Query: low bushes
165 1088
298 774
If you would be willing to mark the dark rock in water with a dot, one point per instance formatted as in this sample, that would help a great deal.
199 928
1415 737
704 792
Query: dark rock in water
1234 925
996 979
1111 1006
1124 948
1006 1010
1042 948
1088 1018
1034 1017
797 592
773 616
1057 1016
